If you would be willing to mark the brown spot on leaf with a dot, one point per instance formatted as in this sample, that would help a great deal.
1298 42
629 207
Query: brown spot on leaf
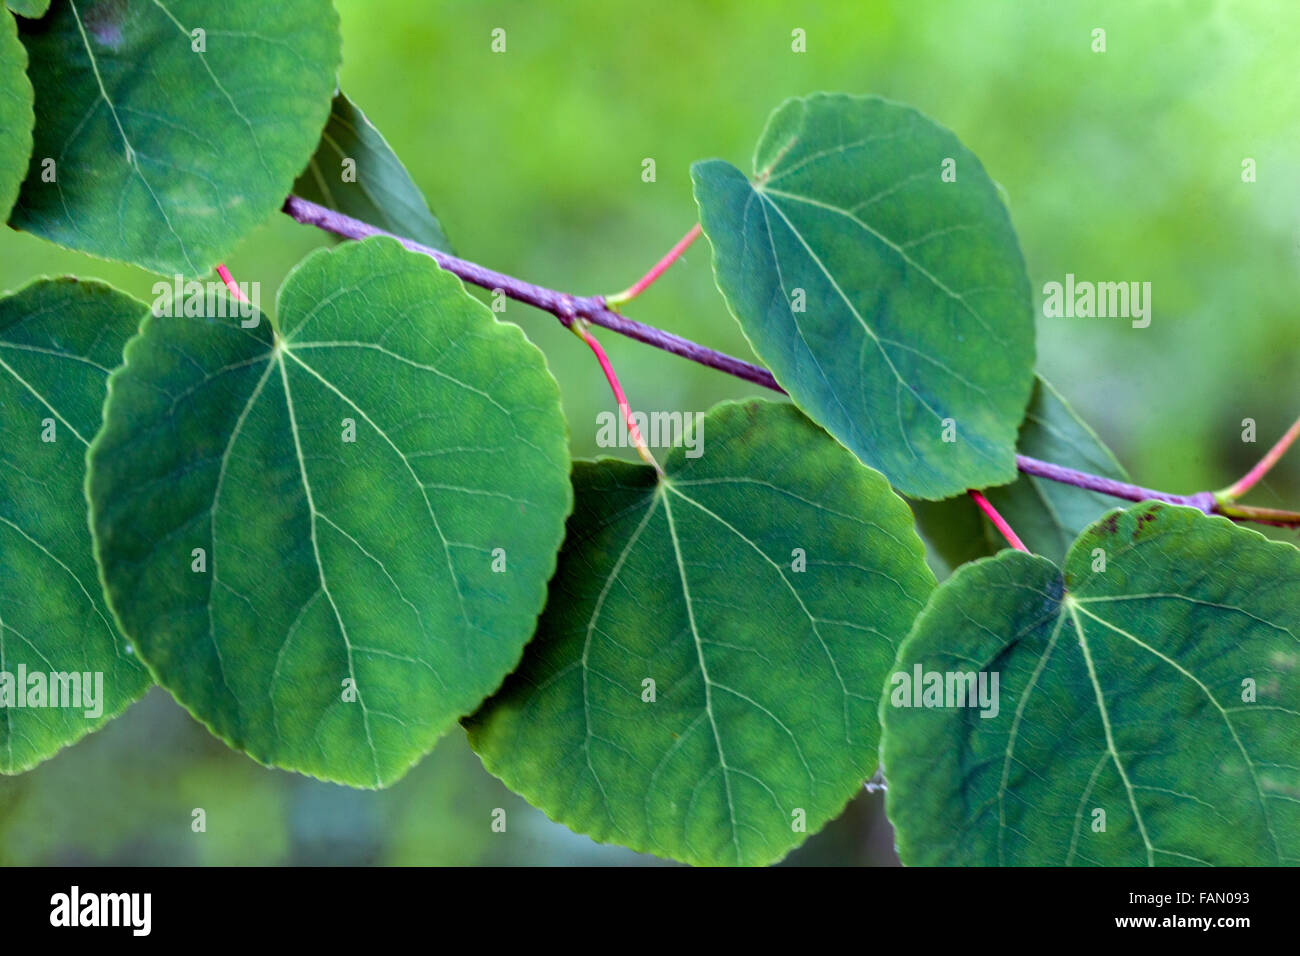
1143 520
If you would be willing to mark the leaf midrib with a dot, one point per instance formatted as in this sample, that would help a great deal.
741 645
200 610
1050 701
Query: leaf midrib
704 673
764 195
1223 713
1073 606
320 567
132 153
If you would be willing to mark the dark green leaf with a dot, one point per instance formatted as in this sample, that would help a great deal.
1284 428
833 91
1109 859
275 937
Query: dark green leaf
171 145
58 340
1146 708
356 172
371 496
761 588
893 306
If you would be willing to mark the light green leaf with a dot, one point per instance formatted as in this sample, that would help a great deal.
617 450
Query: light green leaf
29 8
58 340
761 587
1048 515
172 144
356 172
892 305
16 116
1147 706
371 497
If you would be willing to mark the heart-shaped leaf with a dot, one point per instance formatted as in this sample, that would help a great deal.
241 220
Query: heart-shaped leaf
16 116
1048 515
703 680
331 539
1145 710
356 172
174 128
873 267
65 668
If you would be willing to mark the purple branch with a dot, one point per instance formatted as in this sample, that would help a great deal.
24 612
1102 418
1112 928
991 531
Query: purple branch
560 304
593 308
1202 501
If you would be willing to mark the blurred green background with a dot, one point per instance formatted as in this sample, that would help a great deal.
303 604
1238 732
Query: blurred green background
1123 165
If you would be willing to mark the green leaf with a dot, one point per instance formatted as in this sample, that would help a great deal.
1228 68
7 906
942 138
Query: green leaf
29 8
1048 515
893 306
1158 689
16 116
378 490
168 155
58 340
356 172
762 587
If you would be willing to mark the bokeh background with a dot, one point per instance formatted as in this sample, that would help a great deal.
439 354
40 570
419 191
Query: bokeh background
1123 165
